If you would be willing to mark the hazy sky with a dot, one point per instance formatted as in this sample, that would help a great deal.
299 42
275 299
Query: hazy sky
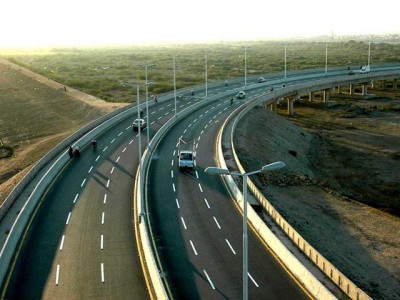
87 22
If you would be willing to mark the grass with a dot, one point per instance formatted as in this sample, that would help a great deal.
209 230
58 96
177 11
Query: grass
100 71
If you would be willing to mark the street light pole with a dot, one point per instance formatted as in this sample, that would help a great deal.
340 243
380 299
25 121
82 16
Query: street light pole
222 171
147 101
140 129
285 63
245 243
369 52
326 58
245 66
206 73
174 85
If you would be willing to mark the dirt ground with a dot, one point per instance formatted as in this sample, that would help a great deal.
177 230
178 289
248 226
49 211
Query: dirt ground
341 184
37 113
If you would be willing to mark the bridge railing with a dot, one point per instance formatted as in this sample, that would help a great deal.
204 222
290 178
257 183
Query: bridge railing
343 282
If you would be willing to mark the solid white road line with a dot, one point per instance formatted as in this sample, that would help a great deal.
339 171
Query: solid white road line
76 197
102 217
90 170
252 279
194 249
105 199
62 242
57 274
201 190
216 222
102 273
230 246
177 203
101 242
83 182
108 182
183 222
205 200
209 279
97 158
69 216
112 170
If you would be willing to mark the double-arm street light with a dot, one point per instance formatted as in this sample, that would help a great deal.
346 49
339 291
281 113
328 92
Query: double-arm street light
147 100
206 73
221 171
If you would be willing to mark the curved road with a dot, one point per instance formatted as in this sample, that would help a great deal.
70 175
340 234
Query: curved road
81 243
198 228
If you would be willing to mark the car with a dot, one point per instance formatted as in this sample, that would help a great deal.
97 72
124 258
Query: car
139 124
241 95
261 79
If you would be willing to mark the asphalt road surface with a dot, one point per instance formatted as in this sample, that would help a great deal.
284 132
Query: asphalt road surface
197 226
81 242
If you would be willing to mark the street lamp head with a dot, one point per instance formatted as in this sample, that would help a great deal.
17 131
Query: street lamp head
273 166
216 171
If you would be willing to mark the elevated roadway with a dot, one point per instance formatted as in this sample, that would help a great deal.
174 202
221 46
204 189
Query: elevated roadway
80 242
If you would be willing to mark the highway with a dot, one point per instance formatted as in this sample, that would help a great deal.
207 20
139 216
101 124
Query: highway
81 241
197 226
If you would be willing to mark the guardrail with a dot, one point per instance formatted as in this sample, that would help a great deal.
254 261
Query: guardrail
80 137
337 277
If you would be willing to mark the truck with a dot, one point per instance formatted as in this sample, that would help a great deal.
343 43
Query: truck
186 153
365 69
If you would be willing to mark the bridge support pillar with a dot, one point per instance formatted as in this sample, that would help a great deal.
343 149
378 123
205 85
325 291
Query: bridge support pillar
364 89
311 96
351 92
326 96
290 106
273 106
339 91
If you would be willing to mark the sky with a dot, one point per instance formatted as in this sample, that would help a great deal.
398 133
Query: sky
44 23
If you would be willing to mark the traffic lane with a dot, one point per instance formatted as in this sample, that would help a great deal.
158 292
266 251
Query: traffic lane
45 233
99 232
184 268
277 282
187 189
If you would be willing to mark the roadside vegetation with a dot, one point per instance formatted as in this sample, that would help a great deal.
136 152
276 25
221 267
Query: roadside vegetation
100 71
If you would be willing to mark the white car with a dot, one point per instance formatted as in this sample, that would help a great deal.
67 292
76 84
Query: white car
241 95
139 123
261 79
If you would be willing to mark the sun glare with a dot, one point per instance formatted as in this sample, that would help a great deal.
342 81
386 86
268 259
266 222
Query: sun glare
42 23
